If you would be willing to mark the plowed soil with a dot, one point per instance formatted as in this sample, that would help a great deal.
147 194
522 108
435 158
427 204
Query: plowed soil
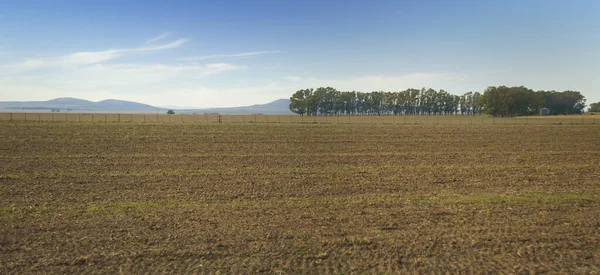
298 198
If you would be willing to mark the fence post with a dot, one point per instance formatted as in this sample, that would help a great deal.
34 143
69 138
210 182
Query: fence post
39 119
119 117
78 117
105 118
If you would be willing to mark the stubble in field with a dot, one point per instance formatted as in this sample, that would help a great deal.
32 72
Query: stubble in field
298 198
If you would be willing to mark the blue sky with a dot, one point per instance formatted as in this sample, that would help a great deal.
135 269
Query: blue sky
231 53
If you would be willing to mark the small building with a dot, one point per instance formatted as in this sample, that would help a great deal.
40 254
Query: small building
544 111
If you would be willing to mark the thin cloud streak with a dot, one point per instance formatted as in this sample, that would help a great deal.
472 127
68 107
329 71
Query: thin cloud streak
23 66
145 71
205 57
84 58
157 38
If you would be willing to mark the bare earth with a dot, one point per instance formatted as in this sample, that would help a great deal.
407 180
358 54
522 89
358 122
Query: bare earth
298 198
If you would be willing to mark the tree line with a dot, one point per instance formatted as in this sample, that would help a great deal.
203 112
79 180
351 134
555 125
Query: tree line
511 101
496 101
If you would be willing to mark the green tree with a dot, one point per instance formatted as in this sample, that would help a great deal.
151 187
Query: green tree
564 103
170 112
496 101
298 102
477 104
595 107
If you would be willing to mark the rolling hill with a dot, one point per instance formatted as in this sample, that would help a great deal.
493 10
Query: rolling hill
68 103
279 106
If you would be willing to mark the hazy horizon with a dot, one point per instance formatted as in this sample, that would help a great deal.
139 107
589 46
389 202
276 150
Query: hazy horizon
230 53
158 106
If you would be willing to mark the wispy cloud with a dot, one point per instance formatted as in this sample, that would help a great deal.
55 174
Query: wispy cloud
132 70
84 58
214 56
292 78
156 38
25 65
150 83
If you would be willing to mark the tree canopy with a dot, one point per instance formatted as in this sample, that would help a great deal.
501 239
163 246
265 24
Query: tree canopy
329 101
595 107
512 101
496 101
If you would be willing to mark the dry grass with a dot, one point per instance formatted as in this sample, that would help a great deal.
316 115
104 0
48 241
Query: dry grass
298 198
295 119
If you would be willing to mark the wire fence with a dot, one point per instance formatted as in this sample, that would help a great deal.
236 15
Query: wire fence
259 118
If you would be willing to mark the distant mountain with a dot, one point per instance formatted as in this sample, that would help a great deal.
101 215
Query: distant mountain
114 104
277 107
68 103
280 106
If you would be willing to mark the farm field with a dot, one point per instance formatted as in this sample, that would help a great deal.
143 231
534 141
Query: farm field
81 197
261 118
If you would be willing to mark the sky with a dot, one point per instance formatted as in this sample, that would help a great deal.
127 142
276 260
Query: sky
236 53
